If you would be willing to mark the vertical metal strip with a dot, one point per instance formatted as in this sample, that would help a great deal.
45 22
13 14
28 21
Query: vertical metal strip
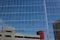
48 36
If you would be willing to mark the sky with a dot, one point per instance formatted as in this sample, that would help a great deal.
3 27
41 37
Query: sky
28 16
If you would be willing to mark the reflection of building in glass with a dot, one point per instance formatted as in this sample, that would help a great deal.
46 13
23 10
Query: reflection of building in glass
56 27
8 33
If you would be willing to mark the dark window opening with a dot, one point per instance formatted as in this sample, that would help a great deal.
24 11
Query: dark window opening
0 35
8 31
32 37
7 35
18 36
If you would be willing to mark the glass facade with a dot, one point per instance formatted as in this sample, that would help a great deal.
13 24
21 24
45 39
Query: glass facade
28 16
53 12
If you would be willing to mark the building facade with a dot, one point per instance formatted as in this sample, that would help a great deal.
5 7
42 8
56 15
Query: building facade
56 27
28 16
9 33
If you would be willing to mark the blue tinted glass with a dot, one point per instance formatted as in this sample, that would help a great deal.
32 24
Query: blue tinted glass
53 12
27 15
21 2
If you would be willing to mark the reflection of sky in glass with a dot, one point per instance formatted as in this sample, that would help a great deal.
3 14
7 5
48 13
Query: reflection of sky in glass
28 16
53 10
